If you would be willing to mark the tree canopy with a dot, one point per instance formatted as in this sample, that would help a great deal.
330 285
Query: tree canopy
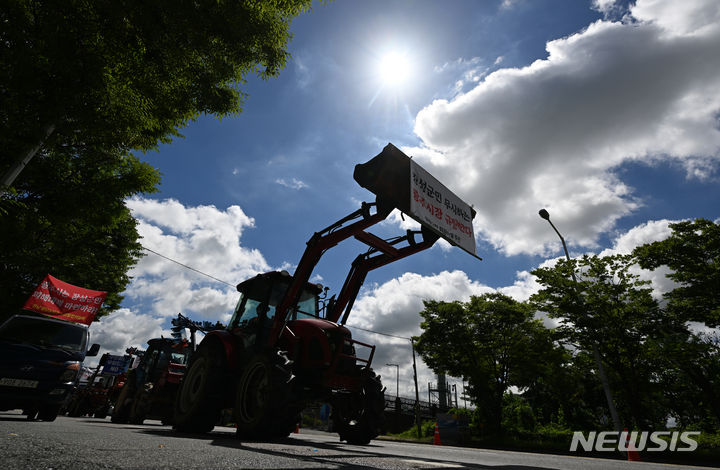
692 252
89 81
492 341
659 364
70 221
610 308
122 74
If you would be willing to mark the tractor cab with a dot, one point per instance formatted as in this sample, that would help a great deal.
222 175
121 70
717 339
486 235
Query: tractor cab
254 315
165 360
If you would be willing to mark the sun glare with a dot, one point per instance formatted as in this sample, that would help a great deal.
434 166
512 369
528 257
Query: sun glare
394 69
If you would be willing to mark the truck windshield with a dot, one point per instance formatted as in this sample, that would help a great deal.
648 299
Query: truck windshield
40 332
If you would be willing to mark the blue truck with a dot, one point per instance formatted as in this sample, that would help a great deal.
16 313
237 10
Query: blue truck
40 363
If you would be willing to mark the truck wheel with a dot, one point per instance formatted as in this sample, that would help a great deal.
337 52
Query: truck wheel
198 402
48 412
361 419
261 402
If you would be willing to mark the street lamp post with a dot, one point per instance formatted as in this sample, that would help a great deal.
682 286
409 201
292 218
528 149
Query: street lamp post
397 381
596 353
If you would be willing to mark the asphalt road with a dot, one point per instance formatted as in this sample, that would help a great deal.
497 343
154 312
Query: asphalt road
88 443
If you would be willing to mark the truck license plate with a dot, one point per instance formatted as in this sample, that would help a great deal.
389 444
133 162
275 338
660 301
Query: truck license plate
19 383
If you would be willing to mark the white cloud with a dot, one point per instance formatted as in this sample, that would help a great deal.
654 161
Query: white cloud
203 238
689 17
651 231
123 329
552 133
302 72
605 6
292 184
393 308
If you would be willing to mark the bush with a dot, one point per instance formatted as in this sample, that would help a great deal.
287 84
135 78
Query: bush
427 429
518 415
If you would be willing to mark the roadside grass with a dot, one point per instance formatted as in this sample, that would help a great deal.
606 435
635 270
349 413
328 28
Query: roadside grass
555 440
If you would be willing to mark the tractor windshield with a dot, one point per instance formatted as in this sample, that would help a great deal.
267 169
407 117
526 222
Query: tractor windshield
306 306
259 300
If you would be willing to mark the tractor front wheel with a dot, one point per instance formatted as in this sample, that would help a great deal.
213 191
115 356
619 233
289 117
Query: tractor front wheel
360 418
198 402
263 393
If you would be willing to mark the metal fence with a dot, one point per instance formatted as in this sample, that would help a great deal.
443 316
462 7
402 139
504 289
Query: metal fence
407 406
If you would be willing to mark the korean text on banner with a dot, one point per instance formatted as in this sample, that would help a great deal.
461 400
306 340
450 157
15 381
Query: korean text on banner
432 204
59 299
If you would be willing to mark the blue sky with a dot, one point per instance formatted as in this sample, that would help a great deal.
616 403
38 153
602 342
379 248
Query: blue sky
605 113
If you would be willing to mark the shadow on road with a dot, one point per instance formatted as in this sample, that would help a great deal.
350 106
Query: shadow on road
339 455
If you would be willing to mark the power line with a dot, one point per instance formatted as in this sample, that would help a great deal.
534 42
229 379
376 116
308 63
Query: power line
186 266
378 333
231 285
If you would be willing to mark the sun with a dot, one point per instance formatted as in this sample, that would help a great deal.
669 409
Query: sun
394 69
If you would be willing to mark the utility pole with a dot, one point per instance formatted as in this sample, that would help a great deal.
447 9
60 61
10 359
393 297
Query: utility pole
417 393
596 353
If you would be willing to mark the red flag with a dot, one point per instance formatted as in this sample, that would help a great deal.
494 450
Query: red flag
59 299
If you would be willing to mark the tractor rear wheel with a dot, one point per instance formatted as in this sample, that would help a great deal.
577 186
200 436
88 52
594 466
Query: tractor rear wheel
138 409
361 418
121 411
198 402
262 399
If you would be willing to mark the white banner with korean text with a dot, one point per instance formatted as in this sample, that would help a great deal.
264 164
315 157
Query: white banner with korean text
438 208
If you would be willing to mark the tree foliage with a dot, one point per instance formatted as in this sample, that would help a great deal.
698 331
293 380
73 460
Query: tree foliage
610 308
659 364
492 341
692 252
122 74
69 220
89 81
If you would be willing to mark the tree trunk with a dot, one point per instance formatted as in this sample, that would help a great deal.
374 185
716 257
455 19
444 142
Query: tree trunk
13 172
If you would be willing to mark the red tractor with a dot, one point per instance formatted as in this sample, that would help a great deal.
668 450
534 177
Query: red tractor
93 398
285 346
149 389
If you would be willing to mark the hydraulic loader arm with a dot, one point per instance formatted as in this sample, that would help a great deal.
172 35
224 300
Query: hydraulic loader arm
377 256
317 245
397 182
